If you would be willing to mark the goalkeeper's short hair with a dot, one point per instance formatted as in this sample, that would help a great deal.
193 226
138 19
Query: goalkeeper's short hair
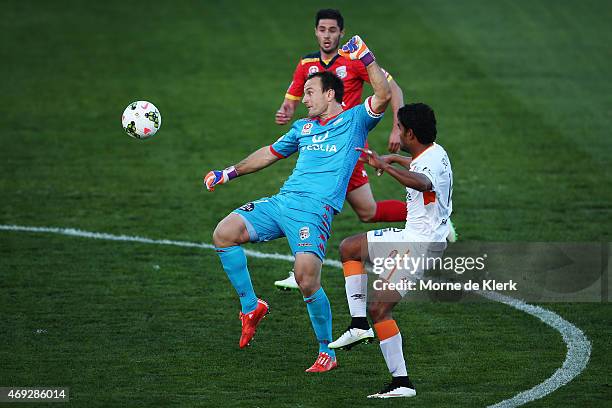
330 81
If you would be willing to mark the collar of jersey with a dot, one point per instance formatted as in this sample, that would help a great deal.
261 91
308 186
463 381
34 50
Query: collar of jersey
331 62
326 121
420 154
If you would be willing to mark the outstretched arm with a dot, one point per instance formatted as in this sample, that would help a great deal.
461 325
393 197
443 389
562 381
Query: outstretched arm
256 161
403 161
407 178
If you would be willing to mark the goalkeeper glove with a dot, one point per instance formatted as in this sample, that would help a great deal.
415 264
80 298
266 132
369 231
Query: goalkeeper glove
219 177
356 49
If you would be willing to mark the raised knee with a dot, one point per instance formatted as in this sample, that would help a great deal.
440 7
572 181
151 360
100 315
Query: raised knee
217 236
350 249
221 236
367 213
367 217
344 248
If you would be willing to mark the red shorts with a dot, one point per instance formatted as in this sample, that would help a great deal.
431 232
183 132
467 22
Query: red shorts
359 176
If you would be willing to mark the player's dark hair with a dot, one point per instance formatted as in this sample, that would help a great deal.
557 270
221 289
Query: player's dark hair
330 81
330 14
421 119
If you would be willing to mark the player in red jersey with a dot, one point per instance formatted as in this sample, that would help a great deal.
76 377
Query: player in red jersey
329 29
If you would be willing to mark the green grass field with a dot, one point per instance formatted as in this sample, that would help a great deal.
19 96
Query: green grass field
523 96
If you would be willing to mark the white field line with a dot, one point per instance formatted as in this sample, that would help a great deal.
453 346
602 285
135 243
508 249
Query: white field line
578 345
576 359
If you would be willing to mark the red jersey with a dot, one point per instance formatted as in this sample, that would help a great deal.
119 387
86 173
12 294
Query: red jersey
352 73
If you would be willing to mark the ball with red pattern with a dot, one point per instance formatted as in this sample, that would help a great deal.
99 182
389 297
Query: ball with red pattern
141 120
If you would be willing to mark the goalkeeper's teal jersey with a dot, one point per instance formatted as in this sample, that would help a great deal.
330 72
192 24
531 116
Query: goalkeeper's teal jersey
327 154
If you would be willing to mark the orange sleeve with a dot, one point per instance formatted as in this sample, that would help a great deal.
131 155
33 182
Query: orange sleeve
296 88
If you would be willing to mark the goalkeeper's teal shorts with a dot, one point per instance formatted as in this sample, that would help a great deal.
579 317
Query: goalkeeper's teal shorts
305 221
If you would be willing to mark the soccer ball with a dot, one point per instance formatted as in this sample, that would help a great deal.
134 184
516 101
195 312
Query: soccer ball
141 120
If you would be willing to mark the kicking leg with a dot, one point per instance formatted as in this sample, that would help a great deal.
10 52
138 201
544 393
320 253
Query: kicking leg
230 233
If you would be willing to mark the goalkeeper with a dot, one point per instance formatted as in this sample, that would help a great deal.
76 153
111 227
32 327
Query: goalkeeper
305 206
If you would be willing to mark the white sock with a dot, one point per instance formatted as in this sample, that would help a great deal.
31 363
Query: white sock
356 287
394 356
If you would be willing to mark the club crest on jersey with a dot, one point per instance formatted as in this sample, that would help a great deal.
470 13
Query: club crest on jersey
247 207
304 233
341 72
313 69
307 128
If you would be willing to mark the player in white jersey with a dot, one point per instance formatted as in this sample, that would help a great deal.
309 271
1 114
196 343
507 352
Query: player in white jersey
430 210
428 178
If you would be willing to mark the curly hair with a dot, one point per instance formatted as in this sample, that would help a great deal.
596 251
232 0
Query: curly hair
421 119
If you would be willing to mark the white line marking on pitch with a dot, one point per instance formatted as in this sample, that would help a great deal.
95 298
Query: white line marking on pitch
578 345
576 359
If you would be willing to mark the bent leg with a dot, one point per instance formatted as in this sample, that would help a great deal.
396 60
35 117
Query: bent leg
368 210
354 248
230 231
229 234
362 201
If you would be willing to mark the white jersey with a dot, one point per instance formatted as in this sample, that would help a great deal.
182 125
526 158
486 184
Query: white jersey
429 211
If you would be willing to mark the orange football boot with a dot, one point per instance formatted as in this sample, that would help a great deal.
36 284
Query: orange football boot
250 321
323 363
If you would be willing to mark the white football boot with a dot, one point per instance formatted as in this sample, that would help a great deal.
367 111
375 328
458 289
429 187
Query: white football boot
352 337
399 387
288 283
